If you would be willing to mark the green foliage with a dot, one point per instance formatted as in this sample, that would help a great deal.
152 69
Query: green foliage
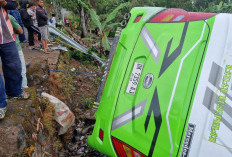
225 8
103 25
103 13
88 102
220 5
143 3
73 17
113 14
86 59
105 42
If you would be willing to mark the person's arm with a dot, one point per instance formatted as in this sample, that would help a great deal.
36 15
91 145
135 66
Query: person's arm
16 27
19 30
31 13
40 13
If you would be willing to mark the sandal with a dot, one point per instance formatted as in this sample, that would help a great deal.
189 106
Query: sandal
39 46
23 96
46 52
3 112
32 48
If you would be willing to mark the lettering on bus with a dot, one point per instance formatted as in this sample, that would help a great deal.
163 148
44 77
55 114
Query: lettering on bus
220 104
188 140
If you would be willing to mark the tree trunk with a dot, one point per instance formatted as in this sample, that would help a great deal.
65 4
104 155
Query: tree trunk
84 29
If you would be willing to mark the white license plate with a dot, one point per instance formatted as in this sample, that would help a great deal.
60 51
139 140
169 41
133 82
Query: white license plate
134 79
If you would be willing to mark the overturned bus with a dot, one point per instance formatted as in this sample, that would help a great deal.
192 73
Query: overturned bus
168 92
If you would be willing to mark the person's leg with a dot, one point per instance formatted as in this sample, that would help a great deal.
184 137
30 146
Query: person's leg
2 94
24 82
36 39
30 37
2 91
12 69
39 37
37 31
3 102
46 37
43 35
46 44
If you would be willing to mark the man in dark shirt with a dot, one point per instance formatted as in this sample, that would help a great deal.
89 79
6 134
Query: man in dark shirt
11 64
42 19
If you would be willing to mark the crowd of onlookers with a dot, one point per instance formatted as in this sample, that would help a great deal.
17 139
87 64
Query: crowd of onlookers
14 18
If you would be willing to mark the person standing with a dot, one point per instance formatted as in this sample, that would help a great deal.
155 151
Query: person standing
42 19
18 30
28 23
31 11
11 64
16 15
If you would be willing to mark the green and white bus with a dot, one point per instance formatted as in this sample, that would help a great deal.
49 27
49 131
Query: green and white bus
168 92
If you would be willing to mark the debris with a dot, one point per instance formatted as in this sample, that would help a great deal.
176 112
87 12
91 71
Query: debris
81 150
39 91
29 151
60 47
73 69
63 115
87 129
45 77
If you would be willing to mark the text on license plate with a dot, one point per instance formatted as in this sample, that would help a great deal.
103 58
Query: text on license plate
134 79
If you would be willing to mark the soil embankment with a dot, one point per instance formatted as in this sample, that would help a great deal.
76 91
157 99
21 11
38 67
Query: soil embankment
30 127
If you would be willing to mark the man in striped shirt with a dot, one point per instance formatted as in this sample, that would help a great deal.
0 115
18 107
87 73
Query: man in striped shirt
11 64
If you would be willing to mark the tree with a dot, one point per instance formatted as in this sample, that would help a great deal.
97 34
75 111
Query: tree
103 25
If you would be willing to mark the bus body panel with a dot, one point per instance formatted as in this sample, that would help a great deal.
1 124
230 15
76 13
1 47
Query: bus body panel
168 92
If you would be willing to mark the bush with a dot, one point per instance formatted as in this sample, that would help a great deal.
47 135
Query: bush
84 58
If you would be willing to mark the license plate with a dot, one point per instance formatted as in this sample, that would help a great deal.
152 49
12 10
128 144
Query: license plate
134 79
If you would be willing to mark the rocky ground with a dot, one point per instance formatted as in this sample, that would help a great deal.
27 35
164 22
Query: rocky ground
29 128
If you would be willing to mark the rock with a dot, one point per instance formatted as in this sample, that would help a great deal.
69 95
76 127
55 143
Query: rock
62 154
63 115
78 131
36 80
81 150
76 138
38 150
43 66
39 91
45 77
13 140
87 129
